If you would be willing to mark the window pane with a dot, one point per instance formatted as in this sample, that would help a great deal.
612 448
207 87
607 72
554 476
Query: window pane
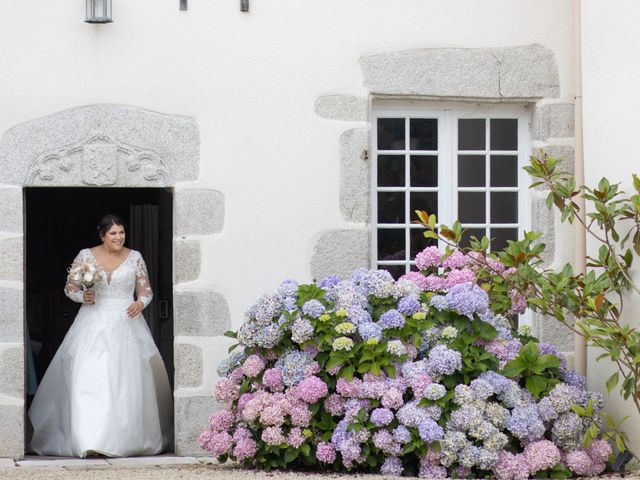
471 207
423 133
504 134
391 244
424 171
500 236
504 207
427 201
390 207
391 170
471 171
396 271
419 242
471 232
471 134
504 171
391 134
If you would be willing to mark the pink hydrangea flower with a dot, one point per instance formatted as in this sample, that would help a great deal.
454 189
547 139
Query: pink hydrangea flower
427 258
541 455
518 302
245 448
226 391
348 388
272 379
272 436
334 404
300 415
580 463
242 401
456 260
392 398
240 433
511 467
295 437
599 451
419 383
325 453
222 420
218 443
312 389
312 369
253 366
237 375
458 276
416 277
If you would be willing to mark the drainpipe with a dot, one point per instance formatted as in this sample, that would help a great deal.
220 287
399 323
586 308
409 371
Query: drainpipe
580 234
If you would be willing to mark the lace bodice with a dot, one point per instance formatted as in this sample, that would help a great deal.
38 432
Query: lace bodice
130 276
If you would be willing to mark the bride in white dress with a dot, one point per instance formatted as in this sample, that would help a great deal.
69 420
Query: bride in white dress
106 390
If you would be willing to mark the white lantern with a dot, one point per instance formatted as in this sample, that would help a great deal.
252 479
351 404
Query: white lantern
99 11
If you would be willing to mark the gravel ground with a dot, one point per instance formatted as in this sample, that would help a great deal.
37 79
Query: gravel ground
182 472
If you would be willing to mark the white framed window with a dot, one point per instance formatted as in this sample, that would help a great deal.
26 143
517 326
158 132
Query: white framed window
461 162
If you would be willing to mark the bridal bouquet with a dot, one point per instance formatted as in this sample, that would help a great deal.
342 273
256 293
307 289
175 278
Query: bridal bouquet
86 274
420 376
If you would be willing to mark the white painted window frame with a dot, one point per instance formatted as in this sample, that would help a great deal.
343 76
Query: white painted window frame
447 115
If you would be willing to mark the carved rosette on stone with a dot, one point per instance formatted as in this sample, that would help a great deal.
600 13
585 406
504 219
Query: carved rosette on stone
98 160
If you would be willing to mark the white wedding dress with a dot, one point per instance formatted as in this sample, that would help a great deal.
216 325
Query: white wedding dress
106 390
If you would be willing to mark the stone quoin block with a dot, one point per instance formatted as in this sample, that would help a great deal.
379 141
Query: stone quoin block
199 211
12 431
12 371
11 314
191 417
188 362
482 73
340 252
550 330
354 175
200 314
187 259
102 145
11 258
11 210
342 107
554 120
543 221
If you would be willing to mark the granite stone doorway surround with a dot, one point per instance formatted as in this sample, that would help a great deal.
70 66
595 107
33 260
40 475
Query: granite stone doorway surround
111 146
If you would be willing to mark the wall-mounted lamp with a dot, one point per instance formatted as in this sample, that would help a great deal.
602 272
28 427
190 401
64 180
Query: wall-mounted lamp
98 11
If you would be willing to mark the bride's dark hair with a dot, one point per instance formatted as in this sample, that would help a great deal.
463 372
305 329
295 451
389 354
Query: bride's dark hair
107 222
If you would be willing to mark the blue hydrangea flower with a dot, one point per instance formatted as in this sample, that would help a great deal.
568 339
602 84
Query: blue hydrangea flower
443 361
329 282
233 361
358 315
467 298
430 431
292 366
288 288
266 308
381 417
526 424
370 330
301 330
409 305
313 308
439 302
392 319
401 434
392 466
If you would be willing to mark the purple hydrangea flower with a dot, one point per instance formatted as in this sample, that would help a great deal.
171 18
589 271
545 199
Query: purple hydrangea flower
329 282
525 423
381 417
427 258
370 330
401 434
392 466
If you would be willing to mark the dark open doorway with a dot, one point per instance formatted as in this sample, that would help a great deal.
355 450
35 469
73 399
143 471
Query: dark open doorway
62 221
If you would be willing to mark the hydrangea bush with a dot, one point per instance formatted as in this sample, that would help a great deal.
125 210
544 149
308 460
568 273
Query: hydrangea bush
420 376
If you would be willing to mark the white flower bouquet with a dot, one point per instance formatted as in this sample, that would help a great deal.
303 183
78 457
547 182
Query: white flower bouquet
86 275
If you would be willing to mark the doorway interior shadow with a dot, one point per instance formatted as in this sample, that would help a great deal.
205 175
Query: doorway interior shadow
59 222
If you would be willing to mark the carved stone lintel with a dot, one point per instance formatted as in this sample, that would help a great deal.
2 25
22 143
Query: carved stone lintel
98 160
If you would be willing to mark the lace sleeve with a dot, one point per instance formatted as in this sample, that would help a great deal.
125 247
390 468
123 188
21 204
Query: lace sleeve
72 288
143 287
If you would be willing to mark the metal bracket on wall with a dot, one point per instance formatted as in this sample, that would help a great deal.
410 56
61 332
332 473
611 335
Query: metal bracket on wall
183 4
244 5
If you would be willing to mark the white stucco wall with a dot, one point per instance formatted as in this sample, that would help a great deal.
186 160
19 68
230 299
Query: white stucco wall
250 81
611 124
